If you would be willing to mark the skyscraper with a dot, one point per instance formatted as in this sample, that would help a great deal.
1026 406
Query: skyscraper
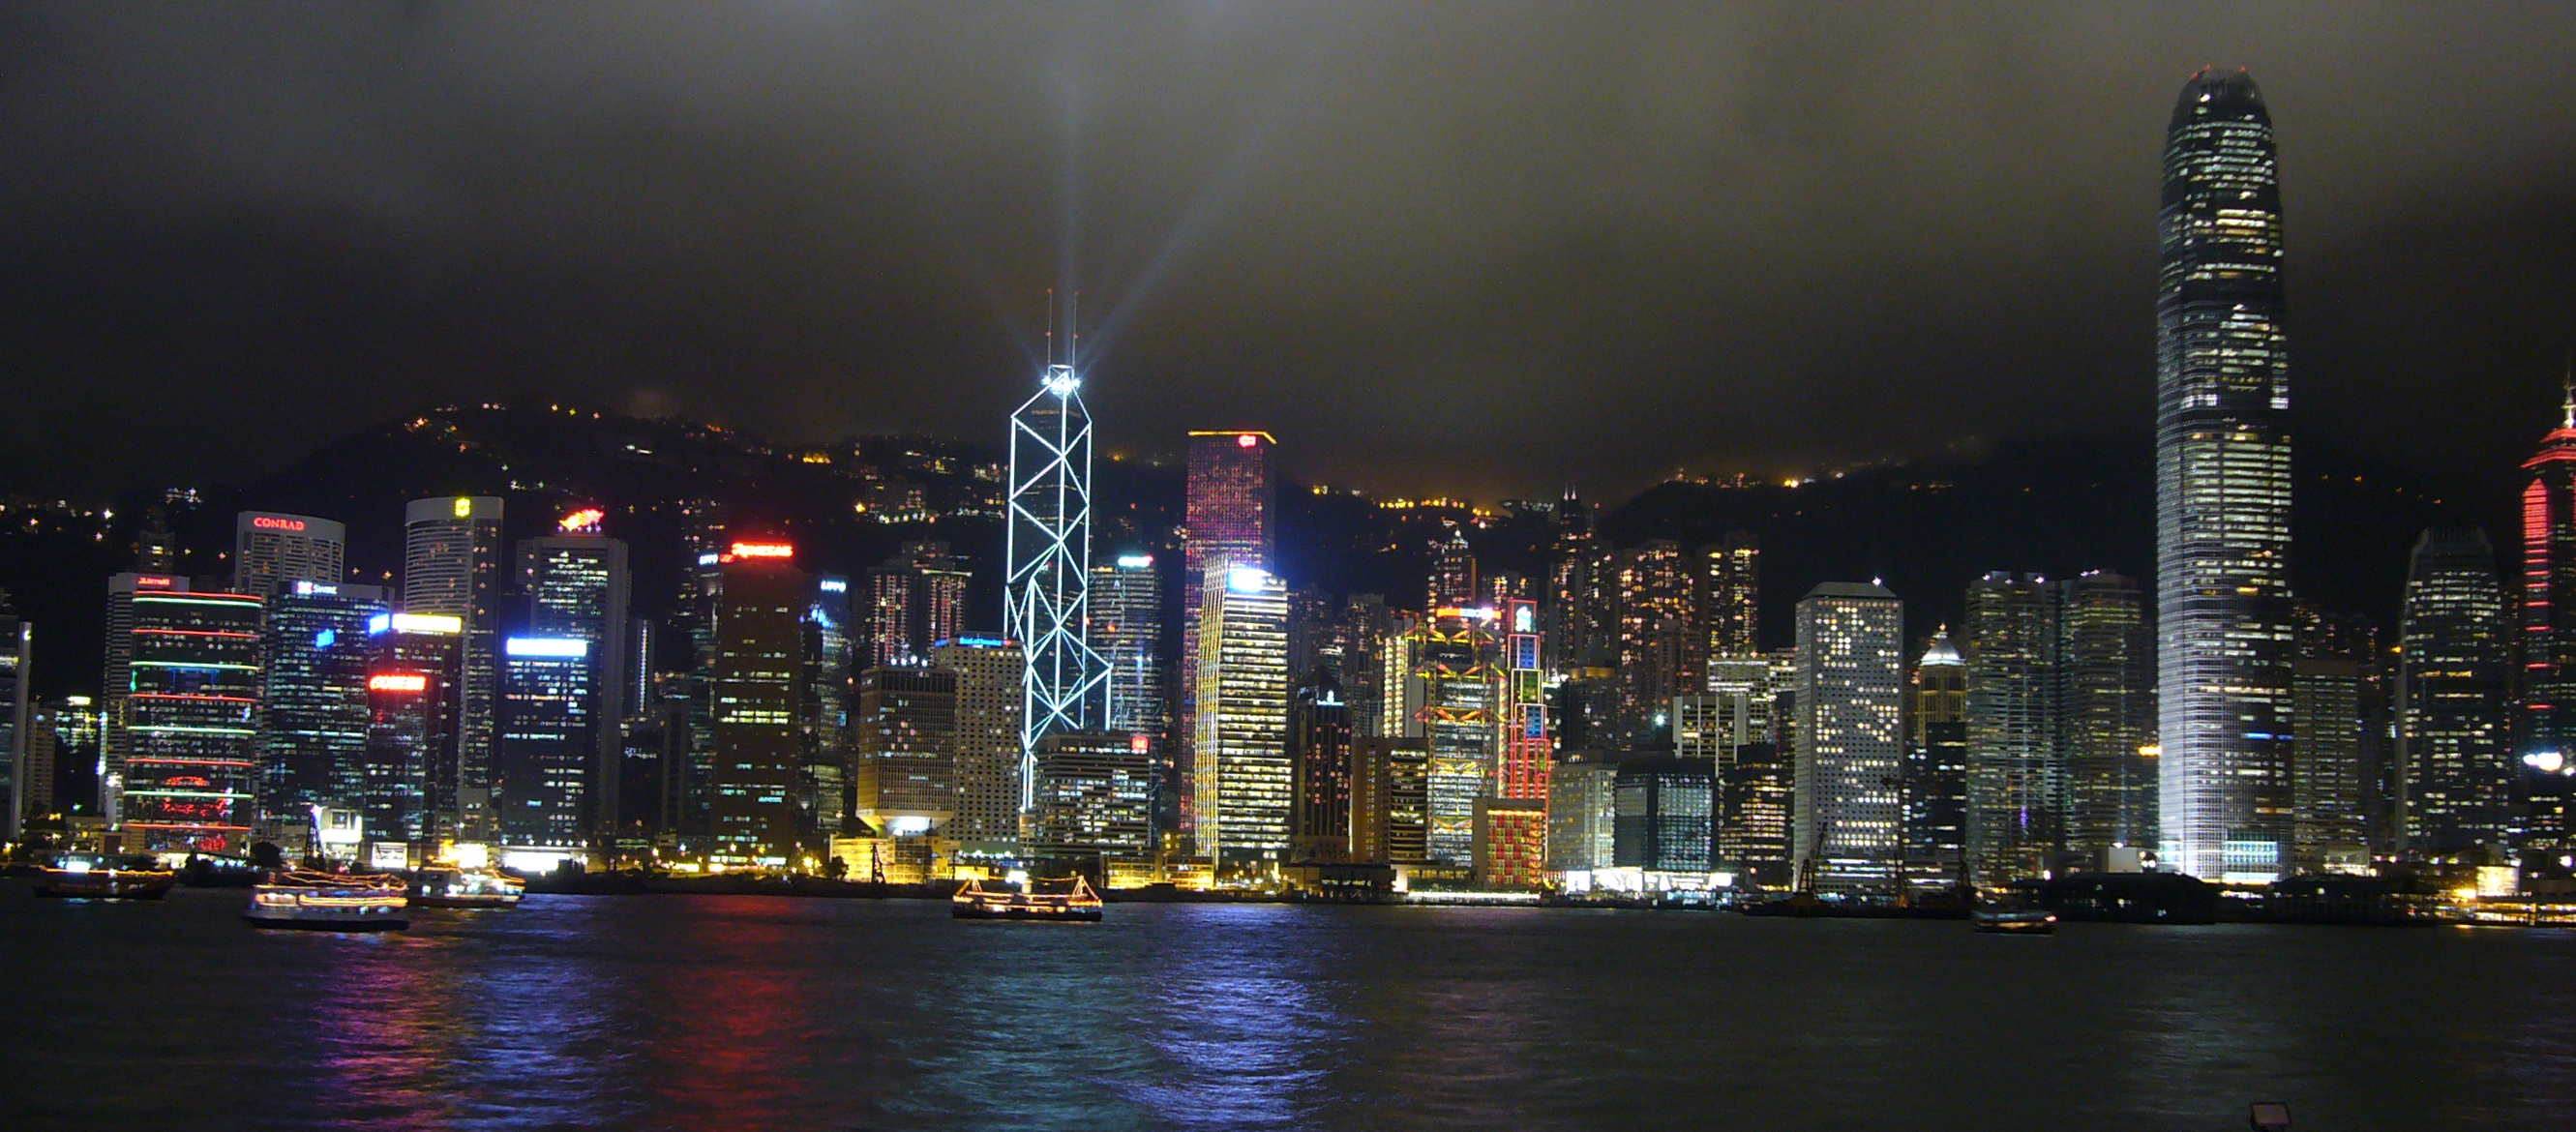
1936 766
1850 735
1731 594
1661 645
2327 830
17 723
2222 489
2452 683
313 699
1229 515
906 777
1095 799
2105 713
182 684
575 585
1127 628
1243 784
984 737
547 775
2544 738
269 548
914 600
1046 596
452 565
759 642
1664 813
2015 787
1457 667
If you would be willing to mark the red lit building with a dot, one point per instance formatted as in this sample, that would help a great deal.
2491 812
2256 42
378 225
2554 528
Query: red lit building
182 686
1229 520
2544 725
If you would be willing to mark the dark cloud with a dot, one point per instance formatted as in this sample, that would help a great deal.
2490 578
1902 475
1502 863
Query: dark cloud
1478 248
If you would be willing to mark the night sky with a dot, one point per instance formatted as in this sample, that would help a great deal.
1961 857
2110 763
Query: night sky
1482 249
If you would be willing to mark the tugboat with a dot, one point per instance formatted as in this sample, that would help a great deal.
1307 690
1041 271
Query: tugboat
105 876
466 888
331 902
2014 921
1036 900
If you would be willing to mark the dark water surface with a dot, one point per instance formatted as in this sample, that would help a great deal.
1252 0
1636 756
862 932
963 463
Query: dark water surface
745 1012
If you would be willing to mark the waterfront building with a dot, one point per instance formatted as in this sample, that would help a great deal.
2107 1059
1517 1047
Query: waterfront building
1936 767
1319 751
313 699
270 548
915 600
1731 588
407 775
2222 489
1849 732
1757 795
2015 789
1046 591
1664 815
1127 628
547 773
41 745
755 682
984 737
182 685
2452 695
1456 656
1528 744
1095 798
1511 843
1229 515
905 782
2328 832
452 566
1582 807
2544 729
823 710
1243 784
2106 714
574 585
17 724
1390 800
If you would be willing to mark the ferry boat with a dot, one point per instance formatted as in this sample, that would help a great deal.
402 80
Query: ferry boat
105 876
331 902
466 888
2014 921
1036 900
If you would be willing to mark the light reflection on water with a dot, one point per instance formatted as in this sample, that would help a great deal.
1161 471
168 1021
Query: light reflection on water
685 1012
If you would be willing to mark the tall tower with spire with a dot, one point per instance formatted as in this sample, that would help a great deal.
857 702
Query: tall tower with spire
1046 598
2224 640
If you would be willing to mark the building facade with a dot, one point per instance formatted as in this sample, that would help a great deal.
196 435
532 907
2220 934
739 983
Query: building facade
2452 709
1849 735
452 566
1243 785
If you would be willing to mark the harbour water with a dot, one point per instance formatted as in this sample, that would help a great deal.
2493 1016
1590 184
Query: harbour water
749 1012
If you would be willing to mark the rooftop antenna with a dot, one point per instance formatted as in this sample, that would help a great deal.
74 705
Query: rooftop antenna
2568 383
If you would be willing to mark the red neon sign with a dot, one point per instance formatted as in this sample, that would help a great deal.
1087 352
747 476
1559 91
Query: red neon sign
763 550
271 523
586 519
398 682
1245 441
1139 743
151 582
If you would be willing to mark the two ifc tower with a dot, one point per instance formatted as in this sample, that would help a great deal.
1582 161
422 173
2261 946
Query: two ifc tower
1046 598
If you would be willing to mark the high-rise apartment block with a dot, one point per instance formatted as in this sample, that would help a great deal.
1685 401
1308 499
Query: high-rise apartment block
984 737
2224 637
914 600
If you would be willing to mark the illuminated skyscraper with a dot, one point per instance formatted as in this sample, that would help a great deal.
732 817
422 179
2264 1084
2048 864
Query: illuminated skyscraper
575 584
984 738
1390 792
2544 734
1230 514
1243 785
759 645
2015 785
906 777
17 724
2224 637
1661 645
547 775
2452 695
1582 811
1095 799
1665 815
1850 735
1731 594
1319 752
452 565
182 682
914 600
1047 595
1457 667
2106 712
1127 628
1453 573
2326 802
313 700
411 719
1936 766
269 548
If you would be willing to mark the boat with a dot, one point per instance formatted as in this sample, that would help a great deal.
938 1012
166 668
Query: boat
2014 921
465 888
1035 900
105 876
331 902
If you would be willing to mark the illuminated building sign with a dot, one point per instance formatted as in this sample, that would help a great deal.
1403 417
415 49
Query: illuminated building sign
546 646
1246 440
583 521
1135 561
464 507
1139 744
833 586
152 582
310 589
1246 579
763 550
426 623
273 523
710 558
326 638
398 682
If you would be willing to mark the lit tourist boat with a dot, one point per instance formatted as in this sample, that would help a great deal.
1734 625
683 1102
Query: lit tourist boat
466 888
105 876
2014 921
330 902
1036 900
